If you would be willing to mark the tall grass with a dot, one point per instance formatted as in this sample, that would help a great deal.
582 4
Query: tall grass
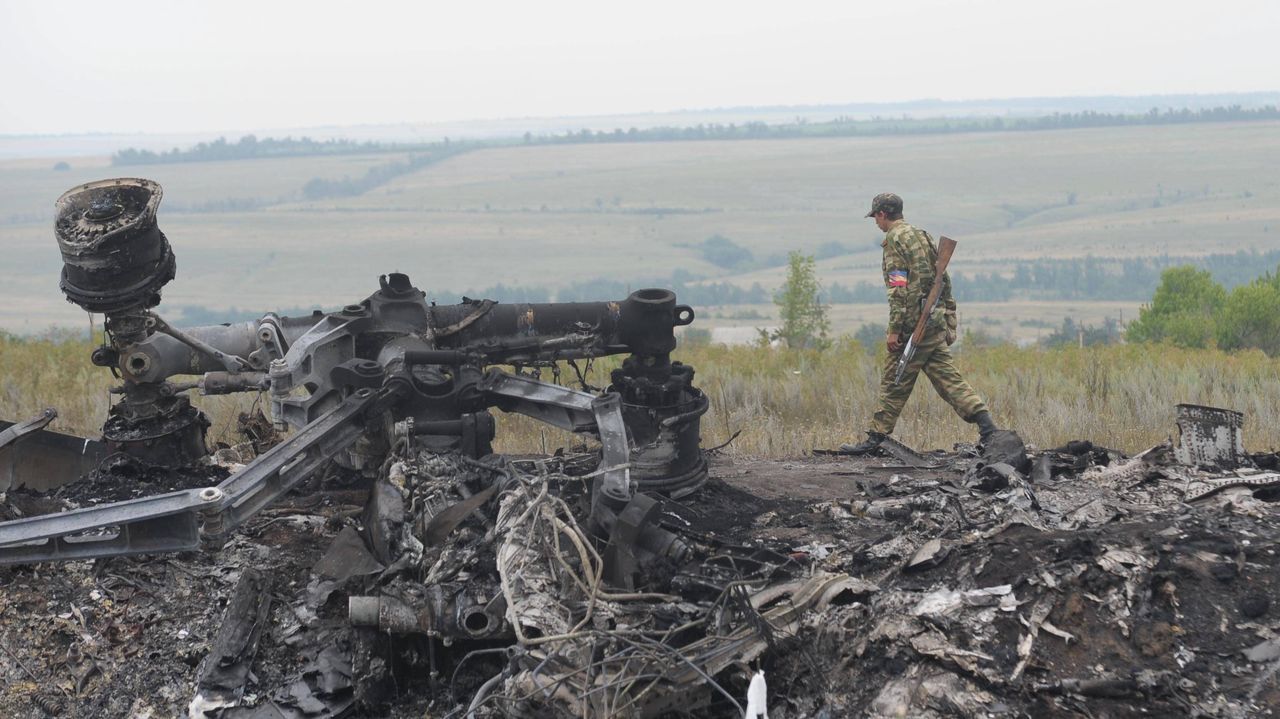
1121 396
787 402
54 371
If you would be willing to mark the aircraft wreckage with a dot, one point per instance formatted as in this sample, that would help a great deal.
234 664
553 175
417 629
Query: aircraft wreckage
378 559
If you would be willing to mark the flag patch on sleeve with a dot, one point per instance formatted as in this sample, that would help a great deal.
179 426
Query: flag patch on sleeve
897 278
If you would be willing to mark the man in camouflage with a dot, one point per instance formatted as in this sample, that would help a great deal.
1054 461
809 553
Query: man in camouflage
910 257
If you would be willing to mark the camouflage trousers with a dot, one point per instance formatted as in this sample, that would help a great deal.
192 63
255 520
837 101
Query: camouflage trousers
934 359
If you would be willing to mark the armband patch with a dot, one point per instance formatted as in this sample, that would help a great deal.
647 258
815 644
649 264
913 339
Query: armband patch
897 278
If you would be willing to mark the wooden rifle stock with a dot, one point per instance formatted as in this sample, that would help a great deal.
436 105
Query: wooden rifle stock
946 248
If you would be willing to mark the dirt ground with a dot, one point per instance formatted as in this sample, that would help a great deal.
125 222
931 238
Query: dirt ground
1095 592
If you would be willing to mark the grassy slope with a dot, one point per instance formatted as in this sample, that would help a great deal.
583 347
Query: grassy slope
479 219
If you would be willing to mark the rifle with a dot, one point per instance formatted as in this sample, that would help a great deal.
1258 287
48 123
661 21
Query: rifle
946 246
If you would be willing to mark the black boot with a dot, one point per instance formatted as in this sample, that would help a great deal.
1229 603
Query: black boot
986 426
866 446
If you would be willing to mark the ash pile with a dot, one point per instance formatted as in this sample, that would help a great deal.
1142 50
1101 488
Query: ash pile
1067 582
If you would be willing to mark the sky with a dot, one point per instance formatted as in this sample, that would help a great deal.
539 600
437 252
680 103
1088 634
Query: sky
125 66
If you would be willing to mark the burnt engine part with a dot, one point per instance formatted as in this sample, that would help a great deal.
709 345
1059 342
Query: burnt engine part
438 610
115 261
663 410
114 255
171 434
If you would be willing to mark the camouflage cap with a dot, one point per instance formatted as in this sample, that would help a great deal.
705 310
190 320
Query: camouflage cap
886 202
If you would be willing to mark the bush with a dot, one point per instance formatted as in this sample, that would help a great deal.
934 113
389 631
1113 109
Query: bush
1250 318
1181 311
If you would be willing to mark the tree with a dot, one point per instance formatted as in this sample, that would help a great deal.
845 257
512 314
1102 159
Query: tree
804 316
1181 311
1250 318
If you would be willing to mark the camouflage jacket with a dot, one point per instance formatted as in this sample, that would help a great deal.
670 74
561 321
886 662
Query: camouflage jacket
909 258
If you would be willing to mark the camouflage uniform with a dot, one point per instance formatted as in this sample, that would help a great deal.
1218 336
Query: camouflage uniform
909 259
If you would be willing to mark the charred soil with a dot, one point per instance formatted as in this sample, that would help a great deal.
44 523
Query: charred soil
1095 593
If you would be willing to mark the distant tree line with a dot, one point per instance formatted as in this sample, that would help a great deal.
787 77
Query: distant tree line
1087 278
317 188
252 147
848 127
248 147
320 188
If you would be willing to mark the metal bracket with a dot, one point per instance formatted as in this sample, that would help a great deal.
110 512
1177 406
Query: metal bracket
179 521
12 434
574 411
271 339
230 363
330 342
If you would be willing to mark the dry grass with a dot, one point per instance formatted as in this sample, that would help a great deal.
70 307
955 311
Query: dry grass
54 371
1119 396
787 402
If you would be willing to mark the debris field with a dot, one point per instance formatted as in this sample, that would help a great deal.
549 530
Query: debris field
1068 582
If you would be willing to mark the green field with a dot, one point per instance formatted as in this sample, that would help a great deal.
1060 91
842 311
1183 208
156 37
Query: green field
550 215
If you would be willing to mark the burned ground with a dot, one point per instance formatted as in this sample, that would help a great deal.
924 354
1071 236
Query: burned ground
1097 594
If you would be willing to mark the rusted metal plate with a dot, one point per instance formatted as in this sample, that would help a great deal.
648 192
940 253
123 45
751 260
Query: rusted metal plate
44 460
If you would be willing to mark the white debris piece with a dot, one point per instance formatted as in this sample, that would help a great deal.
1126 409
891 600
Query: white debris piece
815 550
989 596
939 602
757 698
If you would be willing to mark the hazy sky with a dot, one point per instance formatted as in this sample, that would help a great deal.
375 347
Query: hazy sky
177 66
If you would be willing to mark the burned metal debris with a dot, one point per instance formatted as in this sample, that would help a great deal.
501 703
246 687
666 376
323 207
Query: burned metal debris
420 574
